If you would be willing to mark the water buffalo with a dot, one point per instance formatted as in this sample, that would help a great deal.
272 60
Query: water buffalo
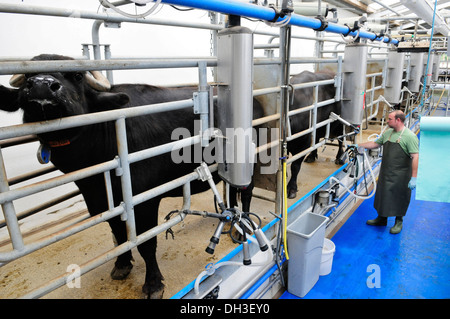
54 95
300 122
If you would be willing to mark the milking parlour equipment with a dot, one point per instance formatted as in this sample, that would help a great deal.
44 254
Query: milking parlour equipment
236 147
354 71
353 110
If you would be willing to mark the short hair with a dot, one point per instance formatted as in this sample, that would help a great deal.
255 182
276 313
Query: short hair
399 115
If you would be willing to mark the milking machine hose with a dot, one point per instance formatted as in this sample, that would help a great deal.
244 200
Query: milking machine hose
371 174
211 268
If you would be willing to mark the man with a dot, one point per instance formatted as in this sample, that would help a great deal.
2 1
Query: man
398 171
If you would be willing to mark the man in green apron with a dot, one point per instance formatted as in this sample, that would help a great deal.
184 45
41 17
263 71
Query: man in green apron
398 171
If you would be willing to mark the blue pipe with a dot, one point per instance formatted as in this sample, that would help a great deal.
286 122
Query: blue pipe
268 14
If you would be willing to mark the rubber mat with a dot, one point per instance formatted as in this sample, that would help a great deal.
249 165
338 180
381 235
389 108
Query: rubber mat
369 262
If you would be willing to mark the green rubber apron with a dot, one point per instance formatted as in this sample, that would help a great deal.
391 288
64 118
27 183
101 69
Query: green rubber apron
393 195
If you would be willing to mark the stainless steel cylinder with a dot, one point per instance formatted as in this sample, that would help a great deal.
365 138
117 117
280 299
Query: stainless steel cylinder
394 76
354 81
235 105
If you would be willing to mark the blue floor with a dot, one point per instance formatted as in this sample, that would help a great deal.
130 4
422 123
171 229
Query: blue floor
411 265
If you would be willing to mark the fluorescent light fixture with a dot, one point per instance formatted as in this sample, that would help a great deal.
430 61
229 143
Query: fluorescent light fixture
424 10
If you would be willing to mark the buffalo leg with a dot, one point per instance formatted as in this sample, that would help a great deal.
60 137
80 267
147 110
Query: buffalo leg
292 184
92 189
338 160
246 197
147 218
311 158
123 265
295 147
232 195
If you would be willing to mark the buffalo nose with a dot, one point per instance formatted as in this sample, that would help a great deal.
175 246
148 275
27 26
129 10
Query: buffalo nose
43 83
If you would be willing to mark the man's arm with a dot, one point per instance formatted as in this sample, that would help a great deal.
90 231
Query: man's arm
369 145
415 164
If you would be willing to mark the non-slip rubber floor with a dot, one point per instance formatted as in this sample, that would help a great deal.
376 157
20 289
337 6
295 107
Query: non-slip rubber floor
369 262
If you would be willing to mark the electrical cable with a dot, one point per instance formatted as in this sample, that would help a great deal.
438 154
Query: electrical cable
285 211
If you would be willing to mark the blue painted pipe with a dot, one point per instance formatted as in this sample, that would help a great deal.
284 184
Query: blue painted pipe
268 14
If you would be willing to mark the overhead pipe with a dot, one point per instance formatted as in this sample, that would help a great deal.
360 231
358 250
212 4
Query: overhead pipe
269 14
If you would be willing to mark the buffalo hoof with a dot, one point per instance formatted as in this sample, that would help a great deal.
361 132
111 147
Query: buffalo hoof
120 273
153 292
310 159
292 194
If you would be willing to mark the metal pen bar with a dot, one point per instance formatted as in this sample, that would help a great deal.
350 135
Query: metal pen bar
109 255
314 116
52 238
161 189
15 67
93 65
9 211
109 194
125 178
13 194
311 84
44 205
109 16
91 118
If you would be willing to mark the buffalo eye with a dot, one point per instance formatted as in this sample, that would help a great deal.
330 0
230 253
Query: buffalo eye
78 77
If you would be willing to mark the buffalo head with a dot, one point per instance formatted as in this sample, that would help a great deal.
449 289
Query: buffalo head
53 95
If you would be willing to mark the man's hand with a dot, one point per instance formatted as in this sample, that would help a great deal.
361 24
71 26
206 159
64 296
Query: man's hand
412 183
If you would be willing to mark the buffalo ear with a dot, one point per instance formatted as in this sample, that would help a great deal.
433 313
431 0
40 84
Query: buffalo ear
9 99
109 101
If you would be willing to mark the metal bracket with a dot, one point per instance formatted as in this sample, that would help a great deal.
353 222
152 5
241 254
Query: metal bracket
114 25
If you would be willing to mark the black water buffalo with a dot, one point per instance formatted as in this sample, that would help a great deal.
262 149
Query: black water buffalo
300 122
48 96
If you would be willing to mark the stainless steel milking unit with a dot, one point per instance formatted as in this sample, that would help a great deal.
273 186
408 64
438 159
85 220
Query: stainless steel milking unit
235 105
354 82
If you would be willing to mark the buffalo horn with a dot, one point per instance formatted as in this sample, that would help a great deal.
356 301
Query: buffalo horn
17 80
97 81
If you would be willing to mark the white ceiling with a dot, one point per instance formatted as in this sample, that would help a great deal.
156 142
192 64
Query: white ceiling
394 12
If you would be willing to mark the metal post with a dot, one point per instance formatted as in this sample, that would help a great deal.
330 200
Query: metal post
95 39
109 73
202 103
338 80
285 48
9 210
314 116
127 193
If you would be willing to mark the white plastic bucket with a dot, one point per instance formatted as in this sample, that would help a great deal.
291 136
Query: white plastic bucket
327 257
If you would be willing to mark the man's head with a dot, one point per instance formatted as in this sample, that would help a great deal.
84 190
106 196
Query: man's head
396 120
